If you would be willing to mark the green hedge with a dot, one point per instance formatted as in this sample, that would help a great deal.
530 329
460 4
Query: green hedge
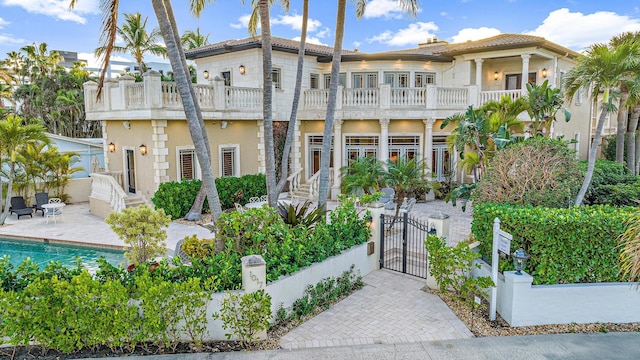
611 184
574 245
176 198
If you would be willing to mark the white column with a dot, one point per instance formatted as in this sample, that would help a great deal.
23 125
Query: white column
159 152
479 72
525 72
428 143
262 163
296 155
337 157
384 140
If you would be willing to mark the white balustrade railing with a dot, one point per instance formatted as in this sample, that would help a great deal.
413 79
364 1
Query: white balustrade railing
361 98
106 188
486 96
316 98
294 181
204 93
409 97
135 95
452 97
314 183
242 97
95 103
170 95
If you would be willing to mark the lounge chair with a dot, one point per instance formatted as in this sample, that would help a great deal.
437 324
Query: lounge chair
406 207
41 199
387 198
19 208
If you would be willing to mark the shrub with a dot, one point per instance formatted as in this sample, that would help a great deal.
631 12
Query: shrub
300 214
176 198
198 248
245 315
537 172
142 229
574 245
452 267
611 184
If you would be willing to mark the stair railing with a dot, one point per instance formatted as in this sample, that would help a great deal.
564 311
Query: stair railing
294 181
106 188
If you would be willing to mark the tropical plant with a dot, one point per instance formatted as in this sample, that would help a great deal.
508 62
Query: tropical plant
601 68
544 102
142 228
194 39
15 135
137 40
323 192
363 175
301 214
630 254
403 175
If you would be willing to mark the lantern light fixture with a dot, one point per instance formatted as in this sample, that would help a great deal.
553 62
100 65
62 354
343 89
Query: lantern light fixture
242 69
495 76
205 74
520 258
111 147
143 149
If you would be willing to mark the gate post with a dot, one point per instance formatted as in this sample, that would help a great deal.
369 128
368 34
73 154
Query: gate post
377 231
405 233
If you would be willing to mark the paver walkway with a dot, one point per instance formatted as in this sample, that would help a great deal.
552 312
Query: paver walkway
390 309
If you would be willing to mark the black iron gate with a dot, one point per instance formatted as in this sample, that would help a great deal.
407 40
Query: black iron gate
402 245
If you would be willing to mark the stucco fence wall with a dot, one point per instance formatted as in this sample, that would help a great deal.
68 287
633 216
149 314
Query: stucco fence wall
520 303
78 191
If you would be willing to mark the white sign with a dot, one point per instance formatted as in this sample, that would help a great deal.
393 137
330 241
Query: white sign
504 243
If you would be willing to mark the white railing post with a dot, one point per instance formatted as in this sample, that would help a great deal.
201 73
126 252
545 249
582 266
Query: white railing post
385 96
152 89
473 95
294 181
123 83
339 97
219 94
432 97
90 89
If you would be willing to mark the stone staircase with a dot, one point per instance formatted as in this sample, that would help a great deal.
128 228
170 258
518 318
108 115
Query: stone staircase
302 192
134 200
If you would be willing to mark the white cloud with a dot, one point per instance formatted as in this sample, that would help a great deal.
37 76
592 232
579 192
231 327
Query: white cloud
8 39
323 33
295 22
413 35
58 9
578 31
356 44
3 23
444 13
389 9
243 22
474 34
311 40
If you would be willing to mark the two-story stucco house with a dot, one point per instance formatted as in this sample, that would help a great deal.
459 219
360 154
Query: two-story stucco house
389 104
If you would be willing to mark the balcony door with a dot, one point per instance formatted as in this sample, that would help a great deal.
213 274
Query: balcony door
130 169
514 81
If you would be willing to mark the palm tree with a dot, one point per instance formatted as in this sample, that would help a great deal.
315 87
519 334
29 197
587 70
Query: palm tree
544 102
325 160
364 174
601 69
403 175
138 41
14 135
194 39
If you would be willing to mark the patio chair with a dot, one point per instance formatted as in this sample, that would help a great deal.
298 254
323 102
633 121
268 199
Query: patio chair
387 198
19 208
52 212
41 199
264 198
407 206
254 199
239 207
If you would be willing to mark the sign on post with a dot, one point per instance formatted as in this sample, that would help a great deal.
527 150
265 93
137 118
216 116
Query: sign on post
502 243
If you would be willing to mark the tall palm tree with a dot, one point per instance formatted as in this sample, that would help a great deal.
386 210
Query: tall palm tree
166 20
194 39
544 102
14 135
403 175
601 68
137 41
323 192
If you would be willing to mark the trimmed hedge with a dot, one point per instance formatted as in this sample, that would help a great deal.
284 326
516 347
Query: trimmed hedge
612 184
176 197
574 245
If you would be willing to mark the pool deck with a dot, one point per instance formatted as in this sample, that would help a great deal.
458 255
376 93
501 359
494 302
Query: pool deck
80 226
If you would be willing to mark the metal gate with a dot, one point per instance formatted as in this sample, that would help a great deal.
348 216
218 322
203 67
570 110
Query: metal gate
402 245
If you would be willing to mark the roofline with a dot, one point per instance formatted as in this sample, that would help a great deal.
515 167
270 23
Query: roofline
256 44
74 140
387 56
545 44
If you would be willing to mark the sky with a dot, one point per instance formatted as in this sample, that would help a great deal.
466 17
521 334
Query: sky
575 24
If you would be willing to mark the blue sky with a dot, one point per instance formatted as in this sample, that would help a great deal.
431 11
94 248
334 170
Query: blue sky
572 23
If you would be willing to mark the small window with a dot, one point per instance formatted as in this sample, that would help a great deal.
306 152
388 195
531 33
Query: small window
365 80
397 79
276 76
187 164
314 81
226 75
424 79
229 160
342 80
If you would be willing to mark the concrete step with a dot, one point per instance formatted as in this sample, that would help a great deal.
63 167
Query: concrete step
134 200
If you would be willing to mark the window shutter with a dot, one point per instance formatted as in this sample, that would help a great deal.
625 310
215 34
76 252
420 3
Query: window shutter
187 164
228 161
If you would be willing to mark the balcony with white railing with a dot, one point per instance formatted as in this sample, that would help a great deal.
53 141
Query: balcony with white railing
486 96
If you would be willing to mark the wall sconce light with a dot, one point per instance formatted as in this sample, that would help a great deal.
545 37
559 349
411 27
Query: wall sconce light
143 149
205 74
111 147
242 69
126 124
544 73
495 75
224 124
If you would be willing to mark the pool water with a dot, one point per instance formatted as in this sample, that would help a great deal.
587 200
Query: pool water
42 253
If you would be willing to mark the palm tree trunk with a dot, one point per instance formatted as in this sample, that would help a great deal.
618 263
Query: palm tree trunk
623 111
284 166
325 160
593 151
164 14
631 139
267 103
7 203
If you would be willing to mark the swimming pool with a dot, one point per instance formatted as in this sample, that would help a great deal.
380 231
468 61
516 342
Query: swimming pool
43 252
